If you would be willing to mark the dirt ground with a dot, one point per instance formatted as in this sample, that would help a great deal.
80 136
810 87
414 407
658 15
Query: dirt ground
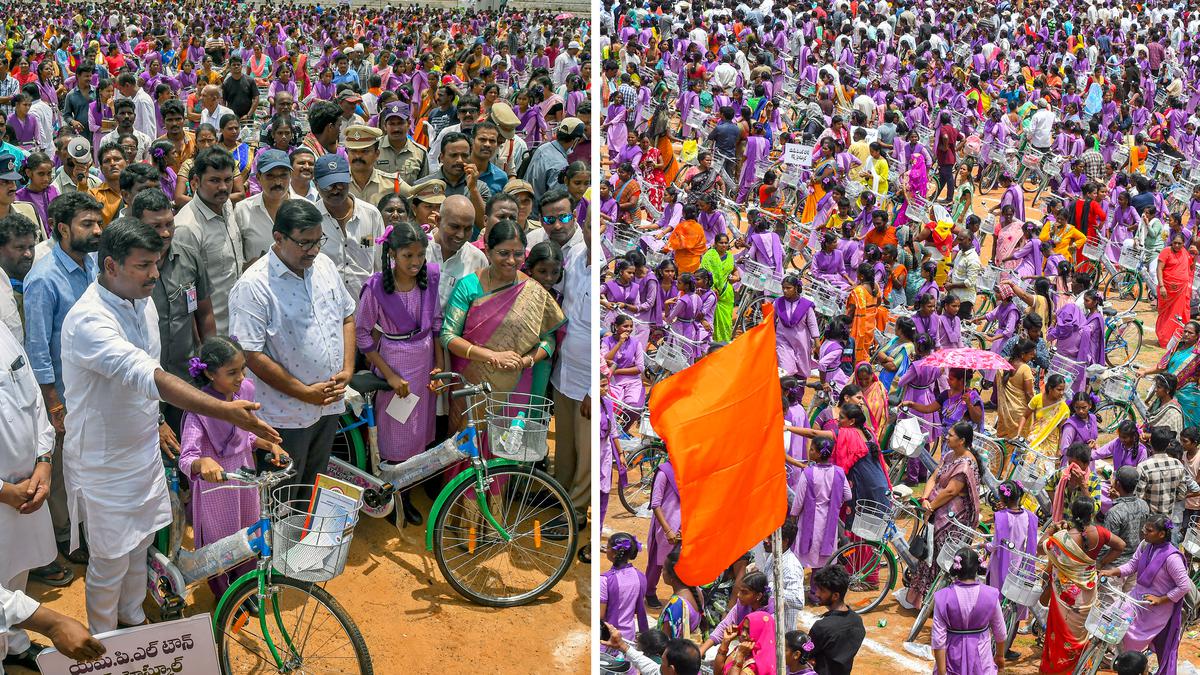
413 622
898 620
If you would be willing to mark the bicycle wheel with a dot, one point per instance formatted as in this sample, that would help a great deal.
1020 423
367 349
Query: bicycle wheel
1091 659
1010 612
1125 287
926 607
872 568
991 178
1122 343
1031 180
476 561
639 472
1110 414
311 631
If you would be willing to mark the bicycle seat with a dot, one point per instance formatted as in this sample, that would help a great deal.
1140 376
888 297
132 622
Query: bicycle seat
1110 311
366 382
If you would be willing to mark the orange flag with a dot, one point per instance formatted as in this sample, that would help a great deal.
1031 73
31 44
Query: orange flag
722 422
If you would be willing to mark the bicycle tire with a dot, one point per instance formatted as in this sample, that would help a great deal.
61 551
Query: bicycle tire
507 478
1090 660
926 607
232 614
1010 612
1031 180
880 556
1128 346
1124 285
991 178
635 495
1110 414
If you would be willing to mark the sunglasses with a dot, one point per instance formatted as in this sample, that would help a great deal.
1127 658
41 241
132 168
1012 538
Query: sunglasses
564 219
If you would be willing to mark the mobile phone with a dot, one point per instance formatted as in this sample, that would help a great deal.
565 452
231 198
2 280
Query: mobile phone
605 634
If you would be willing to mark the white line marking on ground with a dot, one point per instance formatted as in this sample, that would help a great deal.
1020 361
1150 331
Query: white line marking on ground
899 660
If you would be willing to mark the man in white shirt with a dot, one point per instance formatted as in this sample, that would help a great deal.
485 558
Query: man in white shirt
725 75
565 62
211 110
116 486
126 115
18 236
572 375
295 320
449 248
254 216
965 273
210 216
351 225
1041 127
559 225
146 115
18 610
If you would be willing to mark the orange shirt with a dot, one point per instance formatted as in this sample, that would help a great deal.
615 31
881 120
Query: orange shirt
874 237
688 243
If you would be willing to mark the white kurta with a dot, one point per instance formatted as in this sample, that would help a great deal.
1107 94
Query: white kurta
15 607
25 433
115 481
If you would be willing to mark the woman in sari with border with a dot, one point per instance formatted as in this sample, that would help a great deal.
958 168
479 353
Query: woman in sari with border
823 172
866 312
1046 413
875 399
723 267
499 322
1183 361
895 357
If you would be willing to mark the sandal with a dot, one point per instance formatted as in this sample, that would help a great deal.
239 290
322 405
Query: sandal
79 556
54 574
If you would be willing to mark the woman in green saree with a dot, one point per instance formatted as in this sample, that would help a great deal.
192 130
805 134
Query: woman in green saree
1183 361
719 261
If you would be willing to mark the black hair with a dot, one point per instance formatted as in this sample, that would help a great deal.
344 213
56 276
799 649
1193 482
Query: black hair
148 200
1083 397
15 225
1168 382
35 160
454 137
504 230
854 413
652 642
1158 521
966 564
1190 433
906 327
686 282
541 252
138 173
966 431
787 532
389 197
625 548
215 158
215 352
172 107
65 207
1160 439
837 330
108 147
794 641
123 236
121 104
1011 493
403 233
682 655
756 581
833 578
554 194
295 215
1082 510
321 115
1131 663
1127 477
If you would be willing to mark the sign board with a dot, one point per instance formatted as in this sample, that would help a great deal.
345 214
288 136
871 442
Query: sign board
697 119
793 154
185 646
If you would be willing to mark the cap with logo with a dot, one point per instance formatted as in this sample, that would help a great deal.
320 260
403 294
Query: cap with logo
8 168
331 170
361 136
80 150
273 159
397 109
429 192
572 126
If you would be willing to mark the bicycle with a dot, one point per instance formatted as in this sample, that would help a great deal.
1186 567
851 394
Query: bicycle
262 622
638 463
1130 282
1021 589
1109 619
760 285
502 531
882 545
1191 550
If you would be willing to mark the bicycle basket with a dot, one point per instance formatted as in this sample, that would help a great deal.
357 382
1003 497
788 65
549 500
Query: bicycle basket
518 425
960 536
1111 615
827 298
311 536
1033 470
1191 540
1023 584
654 258
1118 387
1131 259
1032 160
988 226
853 189
758 277
624 240
1068 368
988 278
1054 166
871 519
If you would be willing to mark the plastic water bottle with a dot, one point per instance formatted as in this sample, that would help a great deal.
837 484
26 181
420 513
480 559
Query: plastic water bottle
216 557
514 438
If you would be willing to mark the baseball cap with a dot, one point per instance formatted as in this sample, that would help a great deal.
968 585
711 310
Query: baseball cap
361 136
272 159
349 97
331 170
572 126
430 192
396 109
574 45
516 186
8 168
80 150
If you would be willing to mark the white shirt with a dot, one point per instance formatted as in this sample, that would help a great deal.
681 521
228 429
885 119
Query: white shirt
572 372
255 224
15 607
538 235
725 75
434 154
354 251
25 434
10 316
563 63
467 261
508 155
966 269
297 322
143 141
114 475
1041 126
220 246
43 114
214 118
793 580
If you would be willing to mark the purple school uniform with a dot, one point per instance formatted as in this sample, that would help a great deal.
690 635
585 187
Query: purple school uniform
1160 571
614 292
609 453
1076 431
821 490
627 389
797 446
664 495
829 361
1020 528
963 615
621 593
795 330
1121 454
765 248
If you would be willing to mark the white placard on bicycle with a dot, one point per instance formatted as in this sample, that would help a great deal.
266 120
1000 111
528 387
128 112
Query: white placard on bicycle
697 119
185 646
794 154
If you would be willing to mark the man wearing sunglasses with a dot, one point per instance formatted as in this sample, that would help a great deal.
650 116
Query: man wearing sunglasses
558 222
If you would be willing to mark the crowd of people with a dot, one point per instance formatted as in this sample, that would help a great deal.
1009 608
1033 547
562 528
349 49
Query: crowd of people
213 215
1009 183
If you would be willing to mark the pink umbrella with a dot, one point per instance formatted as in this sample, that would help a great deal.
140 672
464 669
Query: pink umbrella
966 357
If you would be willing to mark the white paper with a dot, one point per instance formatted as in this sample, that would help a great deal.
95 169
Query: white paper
400 408
793 153
185 646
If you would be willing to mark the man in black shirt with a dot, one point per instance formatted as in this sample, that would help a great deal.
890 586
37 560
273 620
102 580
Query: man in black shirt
77 107
839 633
240 92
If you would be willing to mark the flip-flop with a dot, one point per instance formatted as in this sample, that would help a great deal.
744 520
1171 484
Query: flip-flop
54 574
79 556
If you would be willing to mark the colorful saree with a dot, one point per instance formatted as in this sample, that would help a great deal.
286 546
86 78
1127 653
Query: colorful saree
875 398
1072 592
1184 364
1045 429
721 268
869 316
1175 294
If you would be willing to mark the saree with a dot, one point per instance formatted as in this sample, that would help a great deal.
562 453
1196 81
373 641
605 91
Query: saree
901 353
1012 405
1175 297
876 402
1072 592
918 184
818 191
1184 364
869 316
721 268
1045 428
517 318
964 506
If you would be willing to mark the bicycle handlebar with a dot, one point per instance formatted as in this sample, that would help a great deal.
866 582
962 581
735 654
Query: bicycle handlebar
247 478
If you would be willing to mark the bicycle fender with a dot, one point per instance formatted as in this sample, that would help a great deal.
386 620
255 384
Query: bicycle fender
225 598
438 503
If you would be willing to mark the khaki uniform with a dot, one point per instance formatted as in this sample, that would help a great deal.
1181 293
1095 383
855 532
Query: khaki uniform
380 184
409 162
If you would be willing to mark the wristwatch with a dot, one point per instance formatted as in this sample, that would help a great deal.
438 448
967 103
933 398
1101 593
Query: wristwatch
43 459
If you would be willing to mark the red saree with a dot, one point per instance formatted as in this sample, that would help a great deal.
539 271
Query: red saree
1174 294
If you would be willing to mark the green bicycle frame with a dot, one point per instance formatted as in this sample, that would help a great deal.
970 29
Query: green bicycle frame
480 492
261 576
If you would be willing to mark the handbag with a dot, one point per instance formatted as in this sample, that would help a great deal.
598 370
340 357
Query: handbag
920 546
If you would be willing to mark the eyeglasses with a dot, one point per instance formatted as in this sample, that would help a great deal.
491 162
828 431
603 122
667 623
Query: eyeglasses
564 219
508 255
308 245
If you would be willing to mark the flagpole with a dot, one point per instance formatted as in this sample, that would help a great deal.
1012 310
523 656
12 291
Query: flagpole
777 583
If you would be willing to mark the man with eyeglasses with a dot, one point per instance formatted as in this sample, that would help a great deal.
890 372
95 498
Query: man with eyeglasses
468 115
294 319
558 222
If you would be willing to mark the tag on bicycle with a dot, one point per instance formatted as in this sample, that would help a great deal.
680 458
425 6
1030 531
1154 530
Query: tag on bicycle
794 154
